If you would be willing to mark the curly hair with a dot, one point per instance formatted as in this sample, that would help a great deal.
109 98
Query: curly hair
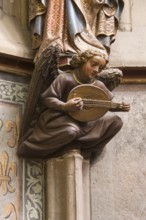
80 58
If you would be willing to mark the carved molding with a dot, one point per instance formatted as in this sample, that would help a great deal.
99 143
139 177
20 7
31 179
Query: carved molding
134 75
15 65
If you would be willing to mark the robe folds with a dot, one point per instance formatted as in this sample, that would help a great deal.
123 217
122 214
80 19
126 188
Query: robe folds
76 25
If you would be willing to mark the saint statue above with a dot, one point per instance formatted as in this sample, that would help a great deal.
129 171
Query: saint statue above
75 25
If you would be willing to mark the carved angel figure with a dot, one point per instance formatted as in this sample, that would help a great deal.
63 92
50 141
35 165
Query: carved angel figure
70 27
55 130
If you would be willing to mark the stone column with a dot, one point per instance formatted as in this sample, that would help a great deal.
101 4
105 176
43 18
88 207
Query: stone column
67 187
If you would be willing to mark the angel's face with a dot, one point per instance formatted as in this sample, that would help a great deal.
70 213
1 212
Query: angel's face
91 68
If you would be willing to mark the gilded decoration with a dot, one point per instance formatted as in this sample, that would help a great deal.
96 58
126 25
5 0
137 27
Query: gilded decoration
10 212
57 14
31 173
36 8
11 127
7 169
12 99
108 27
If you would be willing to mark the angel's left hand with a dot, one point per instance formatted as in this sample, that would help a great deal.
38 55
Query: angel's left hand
125 107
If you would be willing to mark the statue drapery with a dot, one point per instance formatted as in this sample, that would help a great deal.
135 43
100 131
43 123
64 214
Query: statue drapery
74 24
37 10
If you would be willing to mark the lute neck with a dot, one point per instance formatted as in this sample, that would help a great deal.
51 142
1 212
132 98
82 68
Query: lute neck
91 103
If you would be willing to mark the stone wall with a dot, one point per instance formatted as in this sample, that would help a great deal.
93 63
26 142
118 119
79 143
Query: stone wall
11 108
118 179
129 48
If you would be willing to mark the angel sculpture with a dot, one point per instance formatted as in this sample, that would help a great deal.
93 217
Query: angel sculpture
75 38
56 131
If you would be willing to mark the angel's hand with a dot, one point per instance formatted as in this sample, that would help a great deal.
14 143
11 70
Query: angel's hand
125 107
74 104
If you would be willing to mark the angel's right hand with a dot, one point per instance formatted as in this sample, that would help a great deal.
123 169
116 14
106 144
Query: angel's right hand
74 104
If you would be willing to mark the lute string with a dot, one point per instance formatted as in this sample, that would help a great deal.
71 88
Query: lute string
100 103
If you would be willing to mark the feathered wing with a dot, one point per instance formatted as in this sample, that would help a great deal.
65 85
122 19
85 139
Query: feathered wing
111 77
44 73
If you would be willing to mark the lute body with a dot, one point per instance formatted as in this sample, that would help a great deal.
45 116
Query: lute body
96 103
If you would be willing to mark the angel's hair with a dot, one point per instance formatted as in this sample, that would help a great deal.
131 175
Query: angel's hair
80 58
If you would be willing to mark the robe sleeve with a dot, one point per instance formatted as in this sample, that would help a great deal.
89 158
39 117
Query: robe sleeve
53 96
108 92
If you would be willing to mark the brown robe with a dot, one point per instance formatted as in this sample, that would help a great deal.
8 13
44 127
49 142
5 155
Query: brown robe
56 132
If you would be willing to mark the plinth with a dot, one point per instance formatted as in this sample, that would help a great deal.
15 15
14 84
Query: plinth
67 187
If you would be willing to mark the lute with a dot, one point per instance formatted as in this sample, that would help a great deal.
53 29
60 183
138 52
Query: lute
95 103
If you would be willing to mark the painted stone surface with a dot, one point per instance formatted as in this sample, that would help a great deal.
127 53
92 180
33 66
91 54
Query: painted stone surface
118 179
21 181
